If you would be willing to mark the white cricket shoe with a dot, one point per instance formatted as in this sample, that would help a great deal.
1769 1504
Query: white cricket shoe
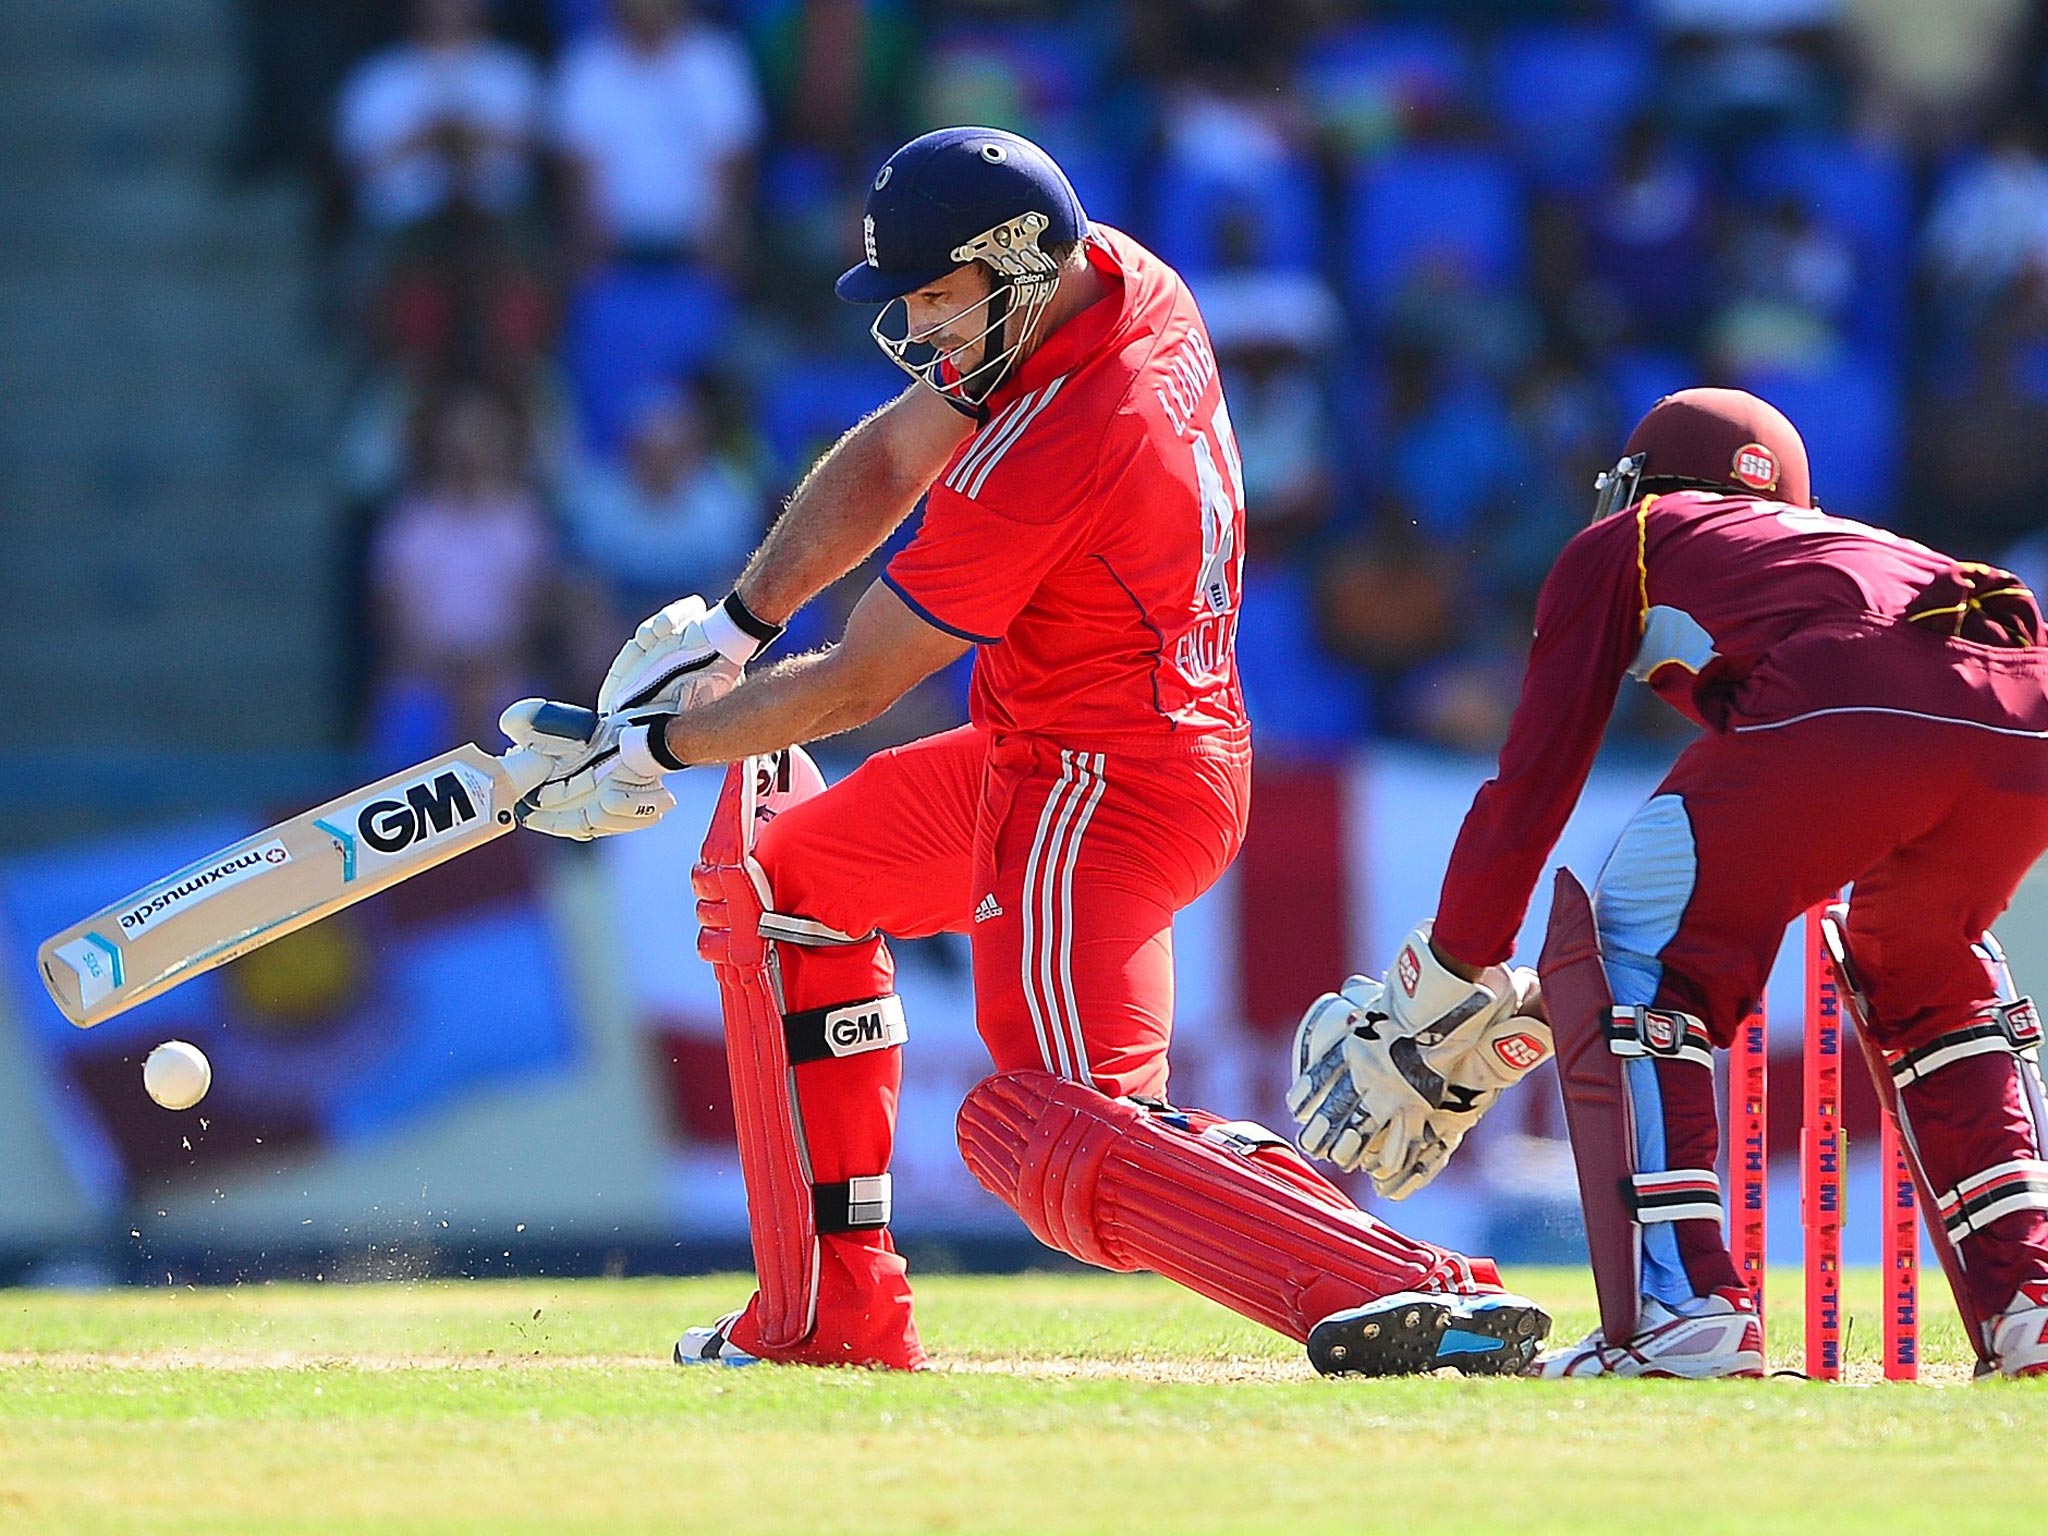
712 1346
1722 1339
2019 1334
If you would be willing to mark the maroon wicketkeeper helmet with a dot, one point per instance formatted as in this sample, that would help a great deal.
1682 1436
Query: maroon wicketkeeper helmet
1708 440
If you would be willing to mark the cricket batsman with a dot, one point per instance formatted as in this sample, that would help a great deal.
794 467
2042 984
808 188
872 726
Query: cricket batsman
1874 713
1084 534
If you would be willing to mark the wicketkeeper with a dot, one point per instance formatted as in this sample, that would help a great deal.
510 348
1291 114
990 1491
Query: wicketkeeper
1874 712
1084 533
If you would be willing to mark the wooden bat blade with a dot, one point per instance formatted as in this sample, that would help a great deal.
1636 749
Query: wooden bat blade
284 877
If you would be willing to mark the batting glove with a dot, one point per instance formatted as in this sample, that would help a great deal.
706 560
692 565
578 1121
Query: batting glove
684 656
608 785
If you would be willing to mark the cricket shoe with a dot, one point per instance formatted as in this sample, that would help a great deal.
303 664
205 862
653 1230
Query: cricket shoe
1410 1332
1724 1338
713 1345
2019 1334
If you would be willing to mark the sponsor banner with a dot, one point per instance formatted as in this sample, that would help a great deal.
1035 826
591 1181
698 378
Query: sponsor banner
349 1058
1347 858
188 888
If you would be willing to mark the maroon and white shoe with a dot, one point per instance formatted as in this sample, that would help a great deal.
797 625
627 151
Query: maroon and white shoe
2019 1334
1723 1338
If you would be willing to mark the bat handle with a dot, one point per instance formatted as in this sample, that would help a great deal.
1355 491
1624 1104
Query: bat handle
568 721
530 767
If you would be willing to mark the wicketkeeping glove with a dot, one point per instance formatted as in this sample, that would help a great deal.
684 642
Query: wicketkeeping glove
1477 1065
1391 1097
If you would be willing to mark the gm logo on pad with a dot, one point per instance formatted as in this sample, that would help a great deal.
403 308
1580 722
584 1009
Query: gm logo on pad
861 1027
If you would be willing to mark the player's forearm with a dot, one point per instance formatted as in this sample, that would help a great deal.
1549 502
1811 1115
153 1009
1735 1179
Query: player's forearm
851 501
1453 964
1588 626
802 699
1519 814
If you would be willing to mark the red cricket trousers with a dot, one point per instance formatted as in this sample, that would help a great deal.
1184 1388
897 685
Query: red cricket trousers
1064 866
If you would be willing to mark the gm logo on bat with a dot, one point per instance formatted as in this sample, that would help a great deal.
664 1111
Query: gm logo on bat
428 809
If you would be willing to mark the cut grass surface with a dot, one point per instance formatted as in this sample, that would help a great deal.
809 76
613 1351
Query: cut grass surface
1064 1403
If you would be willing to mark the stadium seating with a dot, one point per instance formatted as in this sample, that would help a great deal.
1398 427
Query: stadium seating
1639 377
1562 94
810 400
630 328
1304 703
1865 191
1367 85
1851 416
1273 218
1101 176
1421 206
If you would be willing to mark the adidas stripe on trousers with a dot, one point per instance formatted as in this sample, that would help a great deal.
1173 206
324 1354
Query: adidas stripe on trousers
1064 867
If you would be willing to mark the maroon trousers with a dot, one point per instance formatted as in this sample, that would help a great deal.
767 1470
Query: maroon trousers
1934 822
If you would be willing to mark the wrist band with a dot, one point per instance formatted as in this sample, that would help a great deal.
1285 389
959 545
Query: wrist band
643 748
658 747
737 633
750 622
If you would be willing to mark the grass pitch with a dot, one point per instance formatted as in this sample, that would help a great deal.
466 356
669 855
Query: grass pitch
1062 1403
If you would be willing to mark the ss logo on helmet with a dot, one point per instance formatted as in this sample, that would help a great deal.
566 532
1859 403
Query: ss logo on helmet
867 233
1756 466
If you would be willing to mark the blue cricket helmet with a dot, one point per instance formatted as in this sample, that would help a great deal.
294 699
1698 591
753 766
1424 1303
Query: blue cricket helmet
945 190
947 198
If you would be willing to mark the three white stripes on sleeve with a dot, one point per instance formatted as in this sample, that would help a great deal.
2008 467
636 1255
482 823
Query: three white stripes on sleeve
998 438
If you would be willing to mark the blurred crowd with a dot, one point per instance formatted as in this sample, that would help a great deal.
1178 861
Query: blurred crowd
581 252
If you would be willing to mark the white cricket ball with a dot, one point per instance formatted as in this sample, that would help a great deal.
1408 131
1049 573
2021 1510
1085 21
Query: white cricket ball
177 1074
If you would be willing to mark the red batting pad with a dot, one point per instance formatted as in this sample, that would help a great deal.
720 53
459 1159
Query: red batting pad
1238 1218
780 1214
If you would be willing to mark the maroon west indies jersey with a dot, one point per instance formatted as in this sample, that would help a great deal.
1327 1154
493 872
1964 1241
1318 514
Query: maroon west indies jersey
1738 611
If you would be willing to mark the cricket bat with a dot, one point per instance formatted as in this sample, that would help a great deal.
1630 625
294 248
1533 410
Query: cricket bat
294 873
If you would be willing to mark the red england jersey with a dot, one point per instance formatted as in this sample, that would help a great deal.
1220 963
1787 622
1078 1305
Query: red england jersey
1744 614
1089 538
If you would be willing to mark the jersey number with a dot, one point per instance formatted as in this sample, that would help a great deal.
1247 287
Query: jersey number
1222 505
1203 652
1813 520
